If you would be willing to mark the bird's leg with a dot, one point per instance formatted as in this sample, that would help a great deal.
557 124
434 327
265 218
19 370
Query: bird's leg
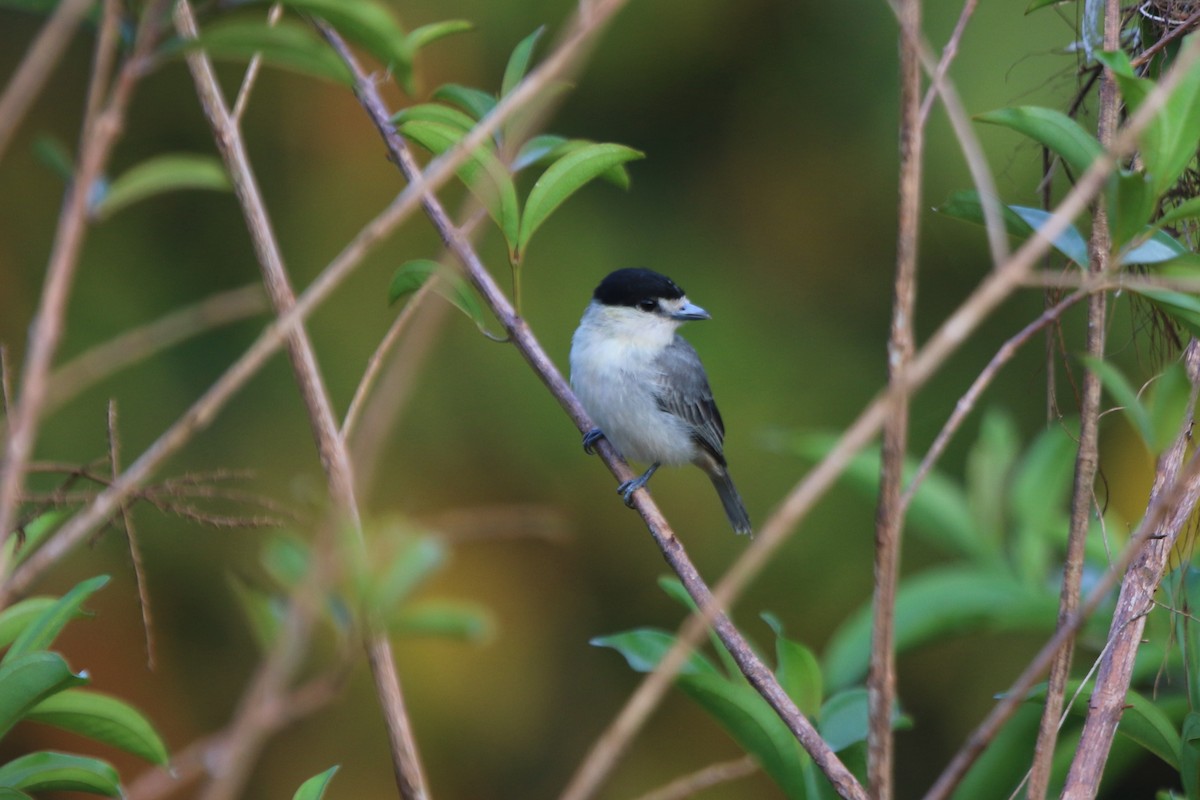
627 488
590 438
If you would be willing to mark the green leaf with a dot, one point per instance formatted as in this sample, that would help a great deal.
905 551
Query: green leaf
104 719
1169 397
989 464
483 173
1132 198
60 772
27 680
475 102
8 793
39 633
314 787
565 177
1054 129
797 669
643 648
287 559
1181 307
754 726
1189 755
368 22
413 560
434 112
1020 221
518 62
1034 5
676 591
264 612
287 45
936 605
1189 209
54 154
448 619
1037 497
35 533
427 34
1126 397
18 616
1168 144
412 275
939 510
547 148
166 173
1158 248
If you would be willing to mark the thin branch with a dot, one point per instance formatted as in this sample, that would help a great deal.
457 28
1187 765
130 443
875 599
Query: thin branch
50 321
710 776
135 550
36 66
1087 457
252 70
143 342
949 52
889 514
967 402
760 677
1134 603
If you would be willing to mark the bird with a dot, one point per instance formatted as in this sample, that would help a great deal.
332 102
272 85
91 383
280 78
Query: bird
643 384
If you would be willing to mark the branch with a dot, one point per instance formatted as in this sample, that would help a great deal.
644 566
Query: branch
712 775
1134 603
522 337
889 514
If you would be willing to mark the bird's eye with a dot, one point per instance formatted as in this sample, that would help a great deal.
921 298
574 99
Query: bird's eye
647 305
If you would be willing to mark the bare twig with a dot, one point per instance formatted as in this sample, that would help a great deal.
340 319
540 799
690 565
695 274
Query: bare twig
967 402
712 775
1134 603
1087 457
889 515
35 67
135 550
948 54
46 331
142 342
252 70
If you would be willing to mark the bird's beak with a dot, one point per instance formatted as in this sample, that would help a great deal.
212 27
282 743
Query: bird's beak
690 312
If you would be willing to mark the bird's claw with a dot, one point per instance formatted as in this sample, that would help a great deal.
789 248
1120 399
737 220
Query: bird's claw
626 491
589 440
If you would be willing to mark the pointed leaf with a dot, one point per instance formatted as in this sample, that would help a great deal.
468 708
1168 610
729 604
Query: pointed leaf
1189 209
1125 396
1169 398
1034 5
547 148
427 34
27 680
412 275
1181 307
287 45
314 788
412 562
287 559
482 172
797 669
754 726
518 62
475 102
35 533
1020 221
54 154
41 632
643 648
434 112
370 23
936 605
1036 499
166 173
1189 754
675 590
1158 248
989 465
60 772
264 612
18 616
565 177
442 618
104 719
1054 129
1132 197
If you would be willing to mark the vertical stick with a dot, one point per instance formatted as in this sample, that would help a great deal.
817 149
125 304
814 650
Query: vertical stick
889 519
1088 456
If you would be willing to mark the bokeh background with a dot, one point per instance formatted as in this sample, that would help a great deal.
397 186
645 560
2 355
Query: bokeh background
768 192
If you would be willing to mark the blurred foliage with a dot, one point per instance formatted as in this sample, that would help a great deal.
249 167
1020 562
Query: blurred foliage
767 189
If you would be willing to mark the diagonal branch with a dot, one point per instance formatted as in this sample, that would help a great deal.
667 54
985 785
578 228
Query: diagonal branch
759 676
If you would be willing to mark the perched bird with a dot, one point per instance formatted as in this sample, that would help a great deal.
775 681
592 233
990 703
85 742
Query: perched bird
644 385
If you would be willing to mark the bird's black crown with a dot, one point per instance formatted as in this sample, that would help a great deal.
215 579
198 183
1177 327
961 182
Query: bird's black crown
629 287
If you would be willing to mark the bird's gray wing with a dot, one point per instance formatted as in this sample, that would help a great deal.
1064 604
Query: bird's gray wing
682 389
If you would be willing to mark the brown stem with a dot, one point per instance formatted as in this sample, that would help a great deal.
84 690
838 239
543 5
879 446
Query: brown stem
889 517
1088 456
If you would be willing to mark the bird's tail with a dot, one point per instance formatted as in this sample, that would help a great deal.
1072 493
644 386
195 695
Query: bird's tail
735 509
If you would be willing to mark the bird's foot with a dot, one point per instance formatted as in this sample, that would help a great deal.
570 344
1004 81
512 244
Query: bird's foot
589 440
627 488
